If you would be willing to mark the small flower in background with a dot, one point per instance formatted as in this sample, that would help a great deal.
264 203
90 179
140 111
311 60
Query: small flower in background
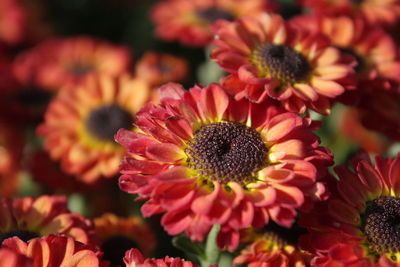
12 21
11 145
358 225
30 217
271 59
159 68
57 62
55 251
269 249
117 235
203 158
385 12
81 122
133 258
191 21
351 126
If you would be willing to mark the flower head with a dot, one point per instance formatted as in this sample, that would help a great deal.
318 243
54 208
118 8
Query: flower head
191 21
55 251
55 63
274 60
117 235
81 122
358 225
203 158
30 217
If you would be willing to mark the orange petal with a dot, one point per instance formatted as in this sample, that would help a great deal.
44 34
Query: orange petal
327 88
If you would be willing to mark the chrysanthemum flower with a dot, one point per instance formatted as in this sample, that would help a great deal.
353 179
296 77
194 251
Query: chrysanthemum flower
386 12
358 225
271 59
133 258
269 249
377 60
55 251
117 235
12 21
158 68
81 122
203 158
30 217
56 62
191 21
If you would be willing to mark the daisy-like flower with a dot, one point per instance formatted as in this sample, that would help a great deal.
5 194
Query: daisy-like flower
81 122
56 62
203 158
358 225
55 251
133 258
274 60
159 68
12 21
191 21
377 60
30 217
269 249
117 235
385 12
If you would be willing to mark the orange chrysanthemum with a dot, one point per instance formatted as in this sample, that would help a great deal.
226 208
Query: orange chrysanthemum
157 68
30 217
81 122
12 21
54 251
358 225
191 21
386 12
272 59
378 62
117 235
133 258
55 63
11 145
203 158
269 249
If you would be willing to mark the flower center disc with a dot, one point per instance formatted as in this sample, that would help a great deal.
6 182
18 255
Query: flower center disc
105 121
280 62
227 151
213 14
381 224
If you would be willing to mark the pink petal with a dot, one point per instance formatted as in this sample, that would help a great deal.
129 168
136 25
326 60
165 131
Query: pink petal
180 127
177 174
176 222
205 198
262 197
164 152
171 90
281 125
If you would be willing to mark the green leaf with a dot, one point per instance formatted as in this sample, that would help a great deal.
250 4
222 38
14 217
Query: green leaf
212 252
186 245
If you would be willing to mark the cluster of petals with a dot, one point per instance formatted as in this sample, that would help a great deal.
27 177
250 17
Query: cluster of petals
49 251
336 235
378 62
268 249
326 74
386 12
65 129
191 21
156 165
35 217
55 62
133 258
159 68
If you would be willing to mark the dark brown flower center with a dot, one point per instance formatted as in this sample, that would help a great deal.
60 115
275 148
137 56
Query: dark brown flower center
227 151
22 234
357 2
280 62
105 121
381 225
213 14
114 249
